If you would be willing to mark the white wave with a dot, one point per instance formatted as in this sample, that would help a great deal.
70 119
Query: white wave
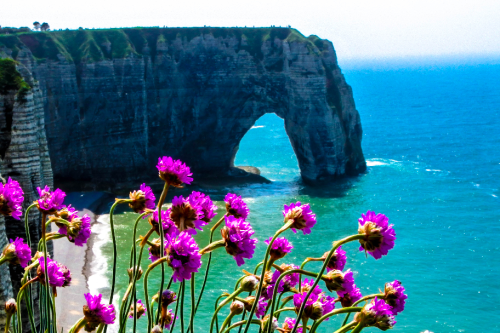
97 281
433 170
260 126
375 163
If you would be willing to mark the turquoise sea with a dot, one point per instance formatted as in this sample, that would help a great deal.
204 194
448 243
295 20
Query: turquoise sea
431 139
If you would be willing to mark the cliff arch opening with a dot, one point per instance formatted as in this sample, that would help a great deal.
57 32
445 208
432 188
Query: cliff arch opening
266 148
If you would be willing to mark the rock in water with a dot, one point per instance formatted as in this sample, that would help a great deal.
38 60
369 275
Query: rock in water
116 99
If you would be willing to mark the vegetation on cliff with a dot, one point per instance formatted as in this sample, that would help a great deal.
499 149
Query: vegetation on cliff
85 45
11 79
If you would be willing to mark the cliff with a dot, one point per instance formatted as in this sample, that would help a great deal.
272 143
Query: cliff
115 100
25 158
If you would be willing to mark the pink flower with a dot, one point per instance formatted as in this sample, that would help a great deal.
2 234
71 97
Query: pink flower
50 202
142 199
11 198
17 252
281 246
236 235
235 206
207 206
380 235
174 172
394 296
97 313
183 256
187 214
301 216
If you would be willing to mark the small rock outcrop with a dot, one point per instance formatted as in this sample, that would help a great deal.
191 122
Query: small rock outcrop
115 100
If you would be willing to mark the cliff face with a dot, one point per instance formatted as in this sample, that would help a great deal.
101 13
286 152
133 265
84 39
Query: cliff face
115 100
23 157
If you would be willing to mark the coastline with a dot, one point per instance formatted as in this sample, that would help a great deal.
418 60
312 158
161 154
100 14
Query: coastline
70 300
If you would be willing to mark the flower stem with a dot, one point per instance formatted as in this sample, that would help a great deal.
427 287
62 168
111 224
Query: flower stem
183 289
162 245
226 321
146 297
193 309
261 282
222 304
347 327
316 281
46 275
176 308
243 322
358 328
333 313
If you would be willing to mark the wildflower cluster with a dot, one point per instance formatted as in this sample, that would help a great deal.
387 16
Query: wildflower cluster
172 248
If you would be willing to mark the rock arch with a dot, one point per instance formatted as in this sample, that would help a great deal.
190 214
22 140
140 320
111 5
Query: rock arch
191 93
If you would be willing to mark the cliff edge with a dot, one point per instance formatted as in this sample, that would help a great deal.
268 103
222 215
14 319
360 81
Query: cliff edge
116 99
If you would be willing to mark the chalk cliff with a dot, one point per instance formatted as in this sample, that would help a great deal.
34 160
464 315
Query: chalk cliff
25 158
115 100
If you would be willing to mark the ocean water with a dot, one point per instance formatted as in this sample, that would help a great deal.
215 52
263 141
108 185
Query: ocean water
431 140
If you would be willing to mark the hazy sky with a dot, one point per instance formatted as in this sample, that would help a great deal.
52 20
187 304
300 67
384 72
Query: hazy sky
358 28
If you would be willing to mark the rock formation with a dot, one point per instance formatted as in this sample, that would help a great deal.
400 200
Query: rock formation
25 158
116 99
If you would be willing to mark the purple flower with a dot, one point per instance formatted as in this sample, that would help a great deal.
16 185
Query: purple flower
169 227
11 198
260 310
207 206
289 324
286 284
50 202
379 233
350 297
173 172
394 296
141 310
376 313
302 217
316 305
17 252
307 284
79 229
236 235
97 313
183 256
337 261
187 214
59 275
142 199
281 246
235 206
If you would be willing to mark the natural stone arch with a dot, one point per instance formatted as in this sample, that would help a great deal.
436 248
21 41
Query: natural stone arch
191 94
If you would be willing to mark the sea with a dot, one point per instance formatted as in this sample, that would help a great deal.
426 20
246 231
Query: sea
431 138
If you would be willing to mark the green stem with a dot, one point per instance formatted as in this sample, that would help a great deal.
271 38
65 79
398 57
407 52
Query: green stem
163 196
226 321
176 308
183 286
146 296
316 281
222 304
346 328
46 275
78 325
193 309
216 317
358 328
7 324
240 323
259 289
284 309
54 315
333 313
281 277
135 269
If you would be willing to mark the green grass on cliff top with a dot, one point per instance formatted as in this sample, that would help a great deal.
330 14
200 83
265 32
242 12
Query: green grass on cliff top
90 45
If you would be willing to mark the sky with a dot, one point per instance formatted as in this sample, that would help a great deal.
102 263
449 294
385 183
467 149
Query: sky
359 29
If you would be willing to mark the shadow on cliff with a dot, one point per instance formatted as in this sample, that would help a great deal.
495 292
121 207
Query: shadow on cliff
329 189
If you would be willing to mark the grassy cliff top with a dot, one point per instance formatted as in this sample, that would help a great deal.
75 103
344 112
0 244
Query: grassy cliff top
91 45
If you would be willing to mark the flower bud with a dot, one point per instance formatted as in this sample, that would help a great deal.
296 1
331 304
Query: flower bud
157 329
249 283
141 309
316 311
265 323
138 203
131 273
334 280
376 313
10 307
249 303
237 307
168 297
